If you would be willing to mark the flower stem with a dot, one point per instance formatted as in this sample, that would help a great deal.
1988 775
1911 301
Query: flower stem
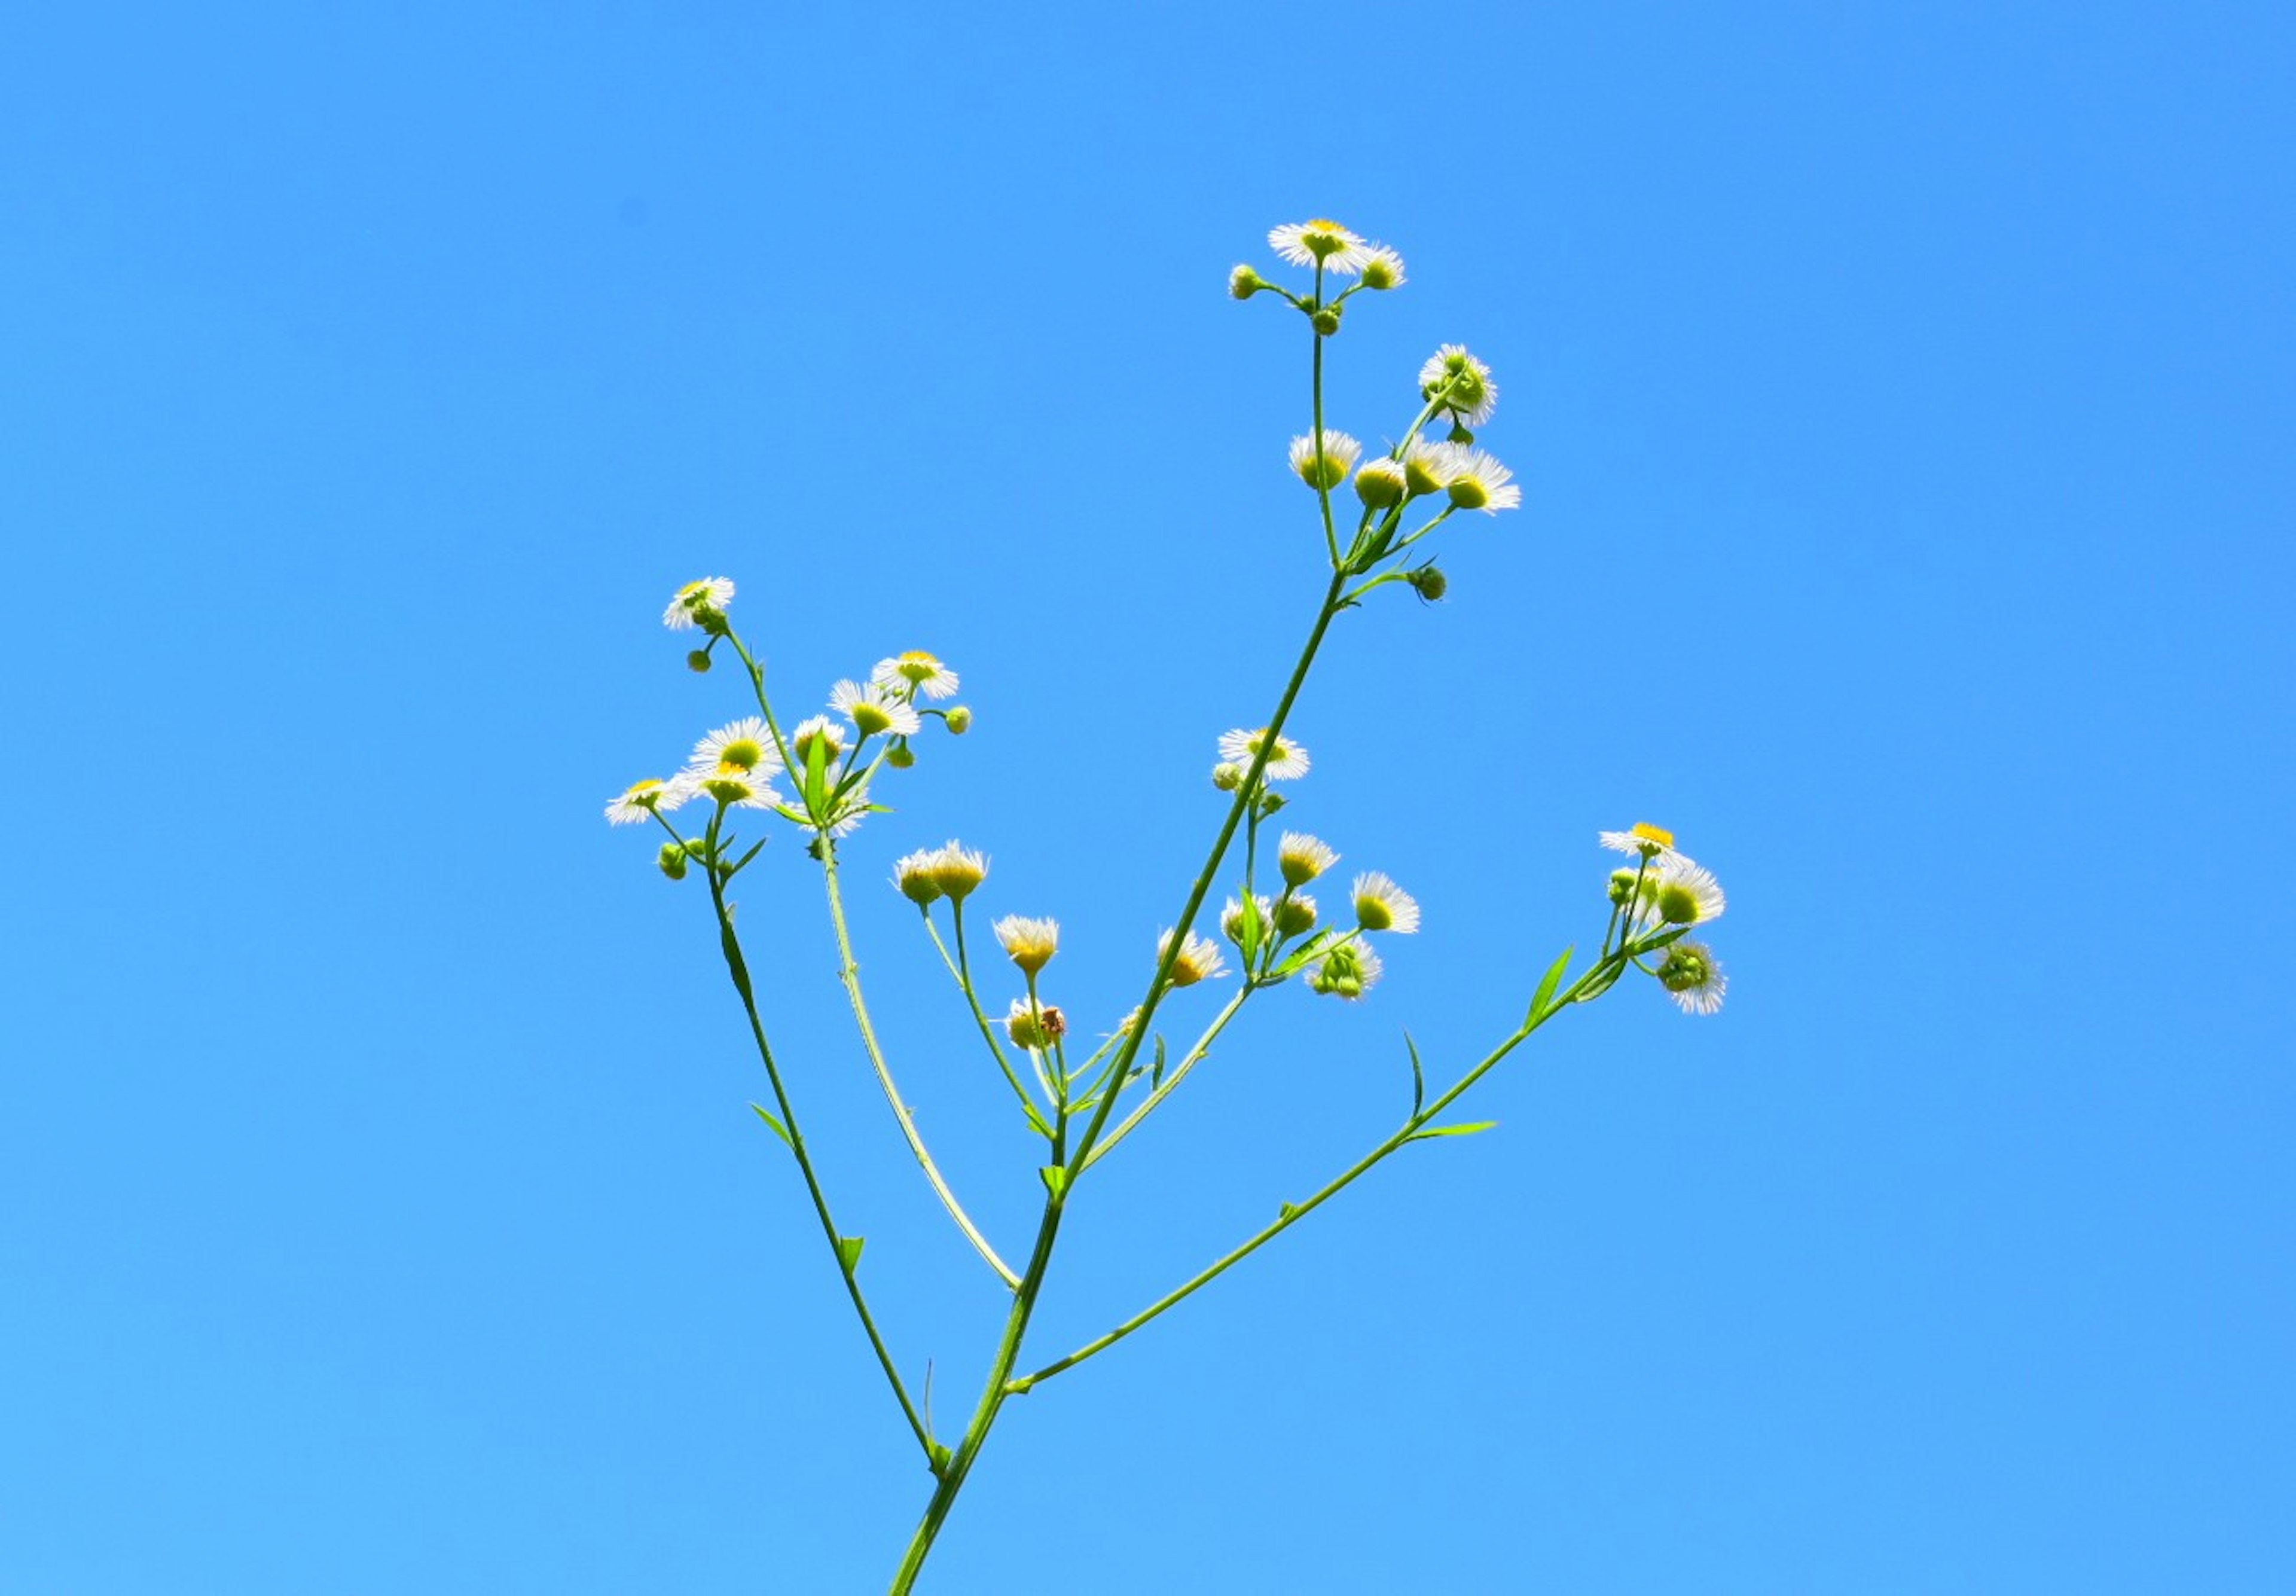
849 971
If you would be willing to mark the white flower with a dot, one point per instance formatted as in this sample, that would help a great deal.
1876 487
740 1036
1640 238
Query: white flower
1477 481
1199 959
1034 1024
1686 892
1381 905
815 729
915 672
956 869
644 799
1473 396
1231 918
1428 467
746 746
714 592
1694 978
1340 453
1642 838
1382 269
1286 760
1304 243
913 877
735 789
1026 943
873 708
1302 858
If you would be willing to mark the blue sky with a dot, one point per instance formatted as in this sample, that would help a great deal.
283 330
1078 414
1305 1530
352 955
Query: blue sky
1902 398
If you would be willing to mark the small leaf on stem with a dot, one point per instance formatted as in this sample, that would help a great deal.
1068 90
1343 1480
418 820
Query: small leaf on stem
1481 1125
849 1251
1547 985
779 1128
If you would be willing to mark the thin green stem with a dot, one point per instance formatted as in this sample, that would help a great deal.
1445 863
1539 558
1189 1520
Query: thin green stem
849 971
738 968
988 1033
1173 1078
1294 1212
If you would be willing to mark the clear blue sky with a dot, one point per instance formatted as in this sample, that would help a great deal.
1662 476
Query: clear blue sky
1903 398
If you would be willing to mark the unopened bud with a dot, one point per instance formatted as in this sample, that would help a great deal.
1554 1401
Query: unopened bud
1326 320
1459 434
698 662
1295 915
900 757
959 720
1429 582
1243 282
1622 886
1228 778
672 862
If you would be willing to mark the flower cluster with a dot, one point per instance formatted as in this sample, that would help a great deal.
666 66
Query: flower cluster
1655 903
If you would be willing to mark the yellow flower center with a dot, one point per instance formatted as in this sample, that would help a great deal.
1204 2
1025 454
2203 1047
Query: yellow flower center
1652 834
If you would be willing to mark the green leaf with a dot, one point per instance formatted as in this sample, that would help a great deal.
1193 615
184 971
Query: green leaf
1547 985
1249 931
1601 984
779 1128
1286 1210
1055 1177
1418 1076
816 790
1481 1125
1651 943
1156 1075
1305 953
941 1457
849 1251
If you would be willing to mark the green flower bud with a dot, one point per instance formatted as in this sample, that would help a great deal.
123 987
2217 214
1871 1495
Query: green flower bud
1326 320
959 720
698 662
898 755
1270 801
1295 916
1429 582
1459 434
1243 282
1228 778
1622 886
672 862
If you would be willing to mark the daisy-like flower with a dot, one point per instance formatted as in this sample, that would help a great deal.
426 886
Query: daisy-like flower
1286 760
916 672
1693 977
1472 396
1039 1025
1686 892
957 869
1304 243
1382 483
710 593
1340 453
1199 959
873 708
913 875
1302 858
1232 916
1295 915
645 799
1477 481
1381 905
1348 971
1383 268
735 789
1641 838
1427 467
746 748
1026 943
817 729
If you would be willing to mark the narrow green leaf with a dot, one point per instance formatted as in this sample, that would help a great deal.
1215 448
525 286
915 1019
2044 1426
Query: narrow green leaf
1418 1076
1156 1074
1286 1210
941 1457
1249 931
1547 985
816 790
1481 1125
1601 984
1651 943
849 1251
1304 954
746 857
779 1128
1055 1177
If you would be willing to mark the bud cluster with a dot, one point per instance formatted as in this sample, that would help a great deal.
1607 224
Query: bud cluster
1655 903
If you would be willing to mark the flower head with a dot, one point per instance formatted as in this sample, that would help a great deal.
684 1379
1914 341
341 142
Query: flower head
1295 913
1476 480
1468 393
1304 243
1427 467
1349 971
1198 959
1232 916
913 875
916 672
1694 978
745 747
644 799
1684 893
1032 1025
1340 453
1383 268
874 707
709 596
1243 282
813 730
1382 483
1381 905
1026 943
1286 760
1302 858
957 869
733 788
1641 838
